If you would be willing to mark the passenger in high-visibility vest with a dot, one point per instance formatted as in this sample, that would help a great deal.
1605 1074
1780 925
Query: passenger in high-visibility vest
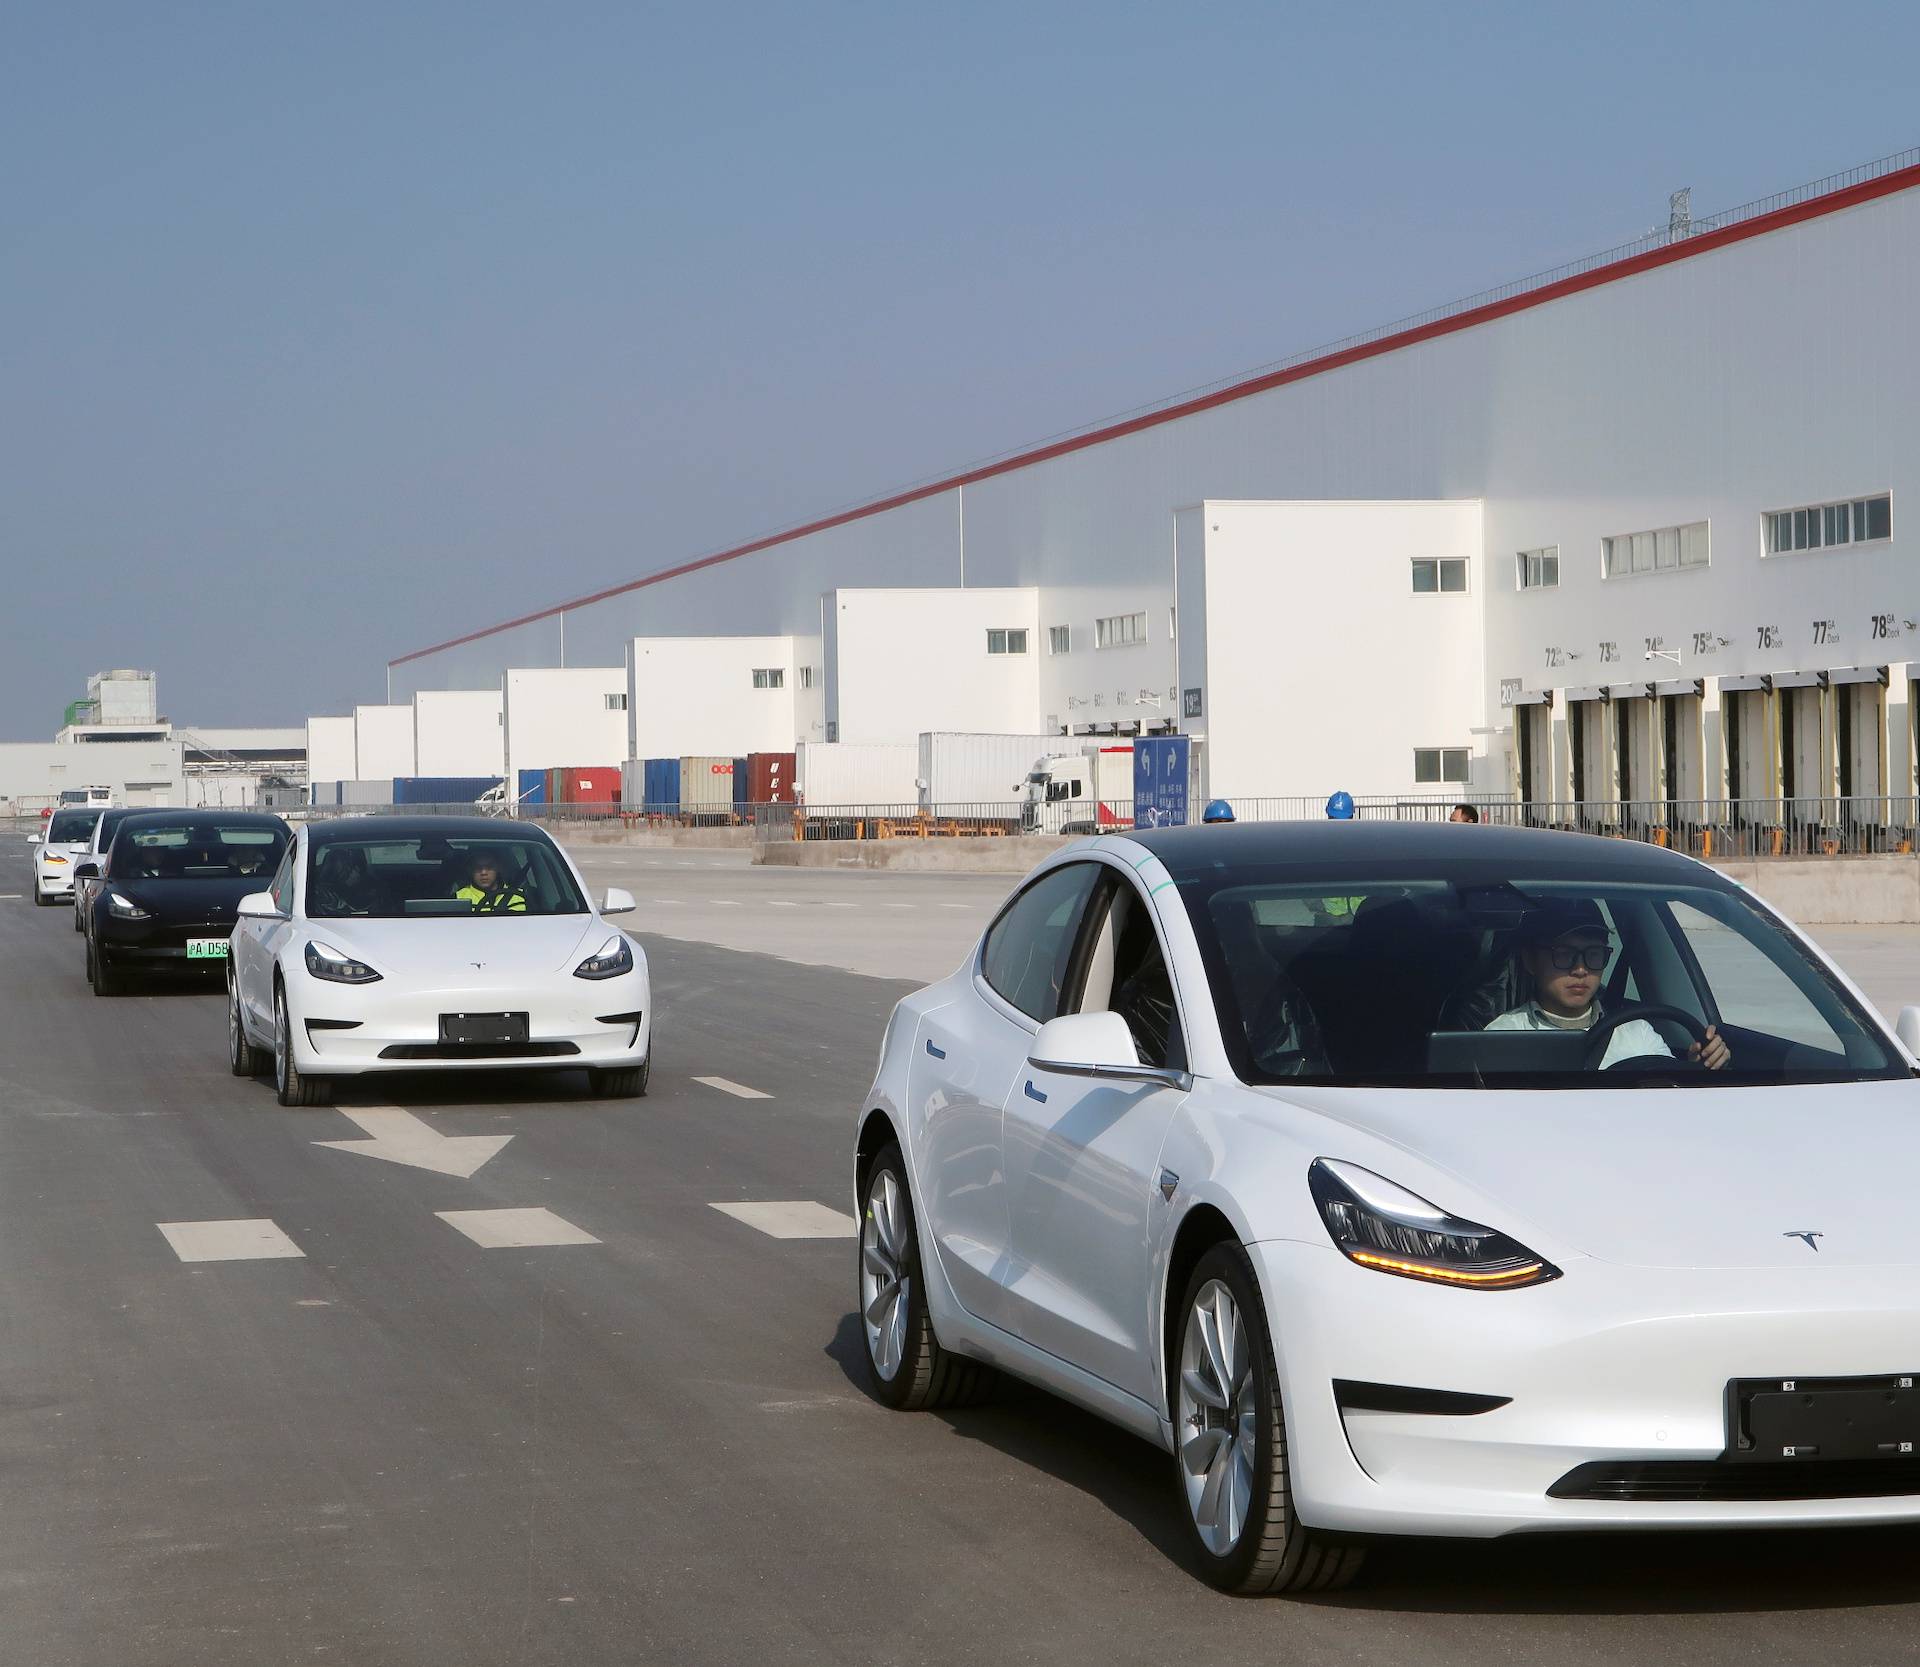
488 891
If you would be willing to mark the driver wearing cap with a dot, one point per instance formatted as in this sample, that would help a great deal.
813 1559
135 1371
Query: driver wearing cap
1565 946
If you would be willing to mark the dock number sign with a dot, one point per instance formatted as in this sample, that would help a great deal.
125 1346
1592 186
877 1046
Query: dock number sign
1160 765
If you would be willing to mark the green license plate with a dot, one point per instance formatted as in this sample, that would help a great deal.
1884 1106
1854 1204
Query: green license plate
206 949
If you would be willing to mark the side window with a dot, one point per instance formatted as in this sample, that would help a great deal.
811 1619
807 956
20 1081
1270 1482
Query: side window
1127 974
282 887
1025 958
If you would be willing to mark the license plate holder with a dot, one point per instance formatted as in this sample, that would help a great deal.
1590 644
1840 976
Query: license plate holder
207 949
1793 1420
470 1030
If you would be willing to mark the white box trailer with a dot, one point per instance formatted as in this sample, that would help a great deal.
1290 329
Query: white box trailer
859 773
964 770
1089 791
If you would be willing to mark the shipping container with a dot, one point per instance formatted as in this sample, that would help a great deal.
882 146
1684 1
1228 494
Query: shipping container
855 773
367 792
769 778
584 785
661 779
323 793
740 783
964 769
441 790
532 787
706 787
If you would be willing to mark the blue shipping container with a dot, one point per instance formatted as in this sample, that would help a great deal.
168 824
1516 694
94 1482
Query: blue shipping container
741 782
441 790
661 780
533 787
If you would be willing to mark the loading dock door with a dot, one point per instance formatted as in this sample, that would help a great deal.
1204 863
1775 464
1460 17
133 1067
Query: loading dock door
1751 780
1638 758
1590 736
1682 752
1806 749
1860 718
1533 730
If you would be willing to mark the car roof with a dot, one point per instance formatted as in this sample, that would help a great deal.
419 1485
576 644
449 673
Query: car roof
358 828
1409 850
203 818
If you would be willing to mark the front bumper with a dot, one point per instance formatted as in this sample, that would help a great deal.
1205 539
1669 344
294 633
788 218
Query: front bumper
350 1029
1605 1365
54 882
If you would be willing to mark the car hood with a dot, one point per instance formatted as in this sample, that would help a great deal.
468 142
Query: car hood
1699 1177
188 900
445 947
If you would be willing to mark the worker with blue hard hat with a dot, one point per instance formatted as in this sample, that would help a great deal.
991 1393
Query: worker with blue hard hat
1340 807
1218 811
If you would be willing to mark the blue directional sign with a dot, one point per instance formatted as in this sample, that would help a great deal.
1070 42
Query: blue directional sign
1160 781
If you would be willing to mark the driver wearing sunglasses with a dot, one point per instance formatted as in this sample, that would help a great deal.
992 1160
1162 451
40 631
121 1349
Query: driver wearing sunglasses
1565 947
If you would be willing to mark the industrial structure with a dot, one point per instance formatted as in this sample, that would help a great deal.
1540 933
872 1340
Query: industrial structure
1625 532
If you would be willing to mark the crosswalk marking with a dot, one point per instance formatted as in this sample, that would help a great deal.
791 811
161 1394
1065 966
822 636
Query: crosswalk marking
227 1241
798 1218
514 1229
727 1086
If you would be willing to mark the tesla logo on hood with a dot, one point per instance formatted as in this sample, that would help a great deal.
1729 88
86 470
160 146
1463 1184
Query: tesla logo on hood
1807 1237
478 966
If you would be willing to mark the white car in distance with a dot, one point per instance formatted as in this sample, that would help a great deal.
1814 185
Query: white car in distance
433 943
1410 1179
57 848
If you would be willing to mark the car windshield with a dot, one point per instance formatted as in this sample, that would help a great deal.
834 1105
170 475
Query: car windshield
71 827
198 851
386 875
1520 984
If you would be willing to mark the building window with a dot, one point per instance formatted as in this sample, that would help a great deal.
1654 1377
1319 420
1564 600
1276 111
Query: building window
1431 577
1118 630
1820 526
1006 642
770 677
1057 639
616 703
1434 765
806 677
1538 569
1660 551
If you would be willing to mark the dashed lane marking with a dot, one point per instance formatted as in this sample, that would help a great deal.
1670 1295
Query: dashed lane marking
739 1089
514 1229
227 1241
798 1218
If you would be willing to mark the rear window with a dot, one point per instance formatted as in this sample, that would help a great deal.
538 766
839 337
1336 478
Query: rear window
198 851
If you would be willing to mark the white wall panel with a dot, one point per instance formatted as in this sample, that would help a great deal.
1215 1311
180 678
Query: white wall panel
695 696
558 719
382 743
459 732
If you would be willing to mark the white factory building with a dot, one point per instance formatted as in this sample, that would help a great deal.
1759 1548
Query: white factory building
1631 530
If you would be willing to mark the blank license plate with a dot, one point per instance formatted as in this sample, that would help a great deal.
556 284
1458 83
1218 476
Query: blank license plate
206 949
1827 1418
496 1028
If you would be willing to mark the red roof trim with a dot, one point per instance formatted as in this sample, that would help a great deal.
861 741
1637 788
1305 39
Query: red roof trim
1703 243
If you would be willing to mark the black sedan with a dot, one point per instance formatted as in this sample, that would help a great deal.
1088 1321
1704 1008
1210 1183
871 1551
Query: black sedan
170 887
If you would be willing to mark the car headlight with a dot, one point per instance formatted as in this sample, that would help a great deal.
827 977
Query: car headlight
125 907
1384 1227
48 856
610 960
324 961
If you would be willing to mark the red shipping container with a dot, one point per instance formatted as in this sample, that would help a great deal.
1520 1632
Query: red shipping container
584 785
770 778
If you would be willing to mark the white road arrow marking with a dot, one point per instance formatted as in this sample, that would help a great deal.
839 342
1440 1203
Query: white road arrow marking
400 1137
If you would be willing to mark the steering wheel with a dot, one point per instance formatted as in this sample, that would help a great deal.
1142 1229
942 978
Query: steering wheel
1602 1033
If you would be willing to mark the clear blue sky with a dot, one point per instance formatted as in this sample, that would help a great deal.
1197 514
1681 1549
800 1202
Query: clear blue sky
330 330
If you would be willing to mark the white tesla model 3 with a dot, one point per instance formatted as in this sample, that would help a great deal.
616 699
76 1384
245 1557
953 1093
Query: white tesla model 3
1410 1179
393 943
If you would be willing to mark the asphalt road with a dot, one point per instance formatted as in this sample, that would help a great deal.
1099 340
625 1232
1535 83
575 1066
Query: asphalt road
399 1447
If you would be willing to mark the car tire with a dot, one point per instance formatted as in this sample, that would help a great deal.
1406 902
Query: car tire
43 899
243 1058
292 1086
624 1082
907 1368
102 974
1230 1431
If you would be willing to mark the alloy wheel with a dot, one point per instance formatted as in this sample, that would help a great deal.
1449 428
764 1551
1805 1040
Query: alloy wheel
280 1043
1218 1418
885 1288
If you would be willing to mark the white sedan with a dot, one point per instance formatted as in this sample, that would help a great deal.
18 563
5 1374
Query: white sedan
1410 1180
396 943
59 845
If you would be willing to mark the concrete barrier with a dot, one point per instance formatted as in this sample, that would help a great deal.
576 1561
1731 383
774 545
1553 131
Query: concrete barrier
1013 855
612 832
1835 891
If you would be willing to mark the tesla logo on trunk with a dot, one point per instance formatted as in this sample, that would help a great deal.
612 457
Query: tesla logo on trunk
1807 1237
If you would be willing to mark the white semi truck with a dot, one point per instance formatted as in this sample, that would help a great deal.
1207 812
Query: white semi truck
1090 791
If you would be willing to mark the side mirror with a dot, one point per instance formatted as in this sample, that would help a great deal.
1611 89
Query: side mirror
259 905
1907 1028
87 871
618 902
33 839
1096 1045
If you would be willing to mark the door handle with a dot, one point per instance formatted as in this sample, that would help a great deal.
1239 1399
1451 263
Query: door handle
938 1053
1034 1093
